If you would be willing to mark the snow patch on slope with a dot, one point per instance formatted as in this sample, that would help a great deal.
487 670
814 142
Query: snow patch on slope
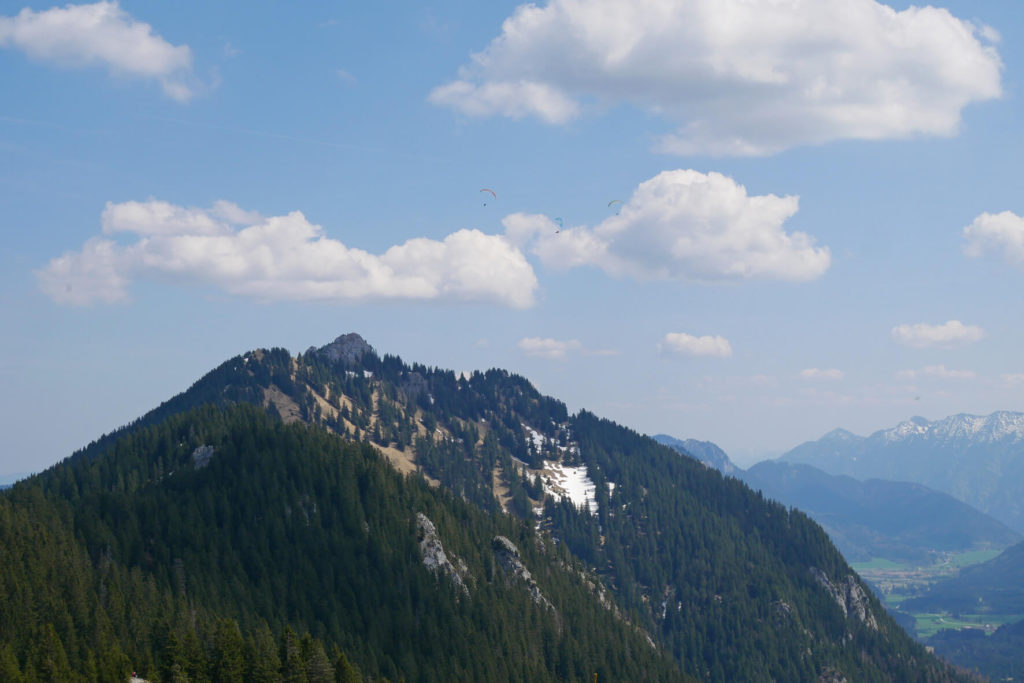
561 481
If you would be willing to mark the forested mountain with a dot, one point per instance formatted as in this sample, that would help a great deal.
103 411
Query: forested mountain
184 547
297 518
976 459
899 521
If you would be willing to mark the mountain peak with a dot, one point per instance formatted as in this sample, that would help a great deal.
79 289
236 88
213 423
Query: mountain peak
348 349
839 434
704 451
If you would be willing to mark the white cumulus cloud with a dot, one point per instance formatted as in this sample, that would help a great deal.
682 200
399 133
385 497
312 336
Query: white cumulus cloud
682 225
1001 233
101 33
555 349
689 345
949 334
280 258
821 374
738 77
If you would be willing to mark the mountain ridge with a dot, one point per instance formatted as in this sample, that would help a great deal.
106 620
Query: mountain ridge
732 586
976 459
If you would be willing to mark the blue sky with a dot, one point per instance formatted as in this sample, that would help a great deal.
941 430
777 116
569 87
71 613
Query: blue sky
820 218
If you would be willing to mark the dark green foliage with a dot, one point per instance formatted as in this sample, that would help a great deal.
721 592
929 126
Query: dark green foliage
999 656
292 527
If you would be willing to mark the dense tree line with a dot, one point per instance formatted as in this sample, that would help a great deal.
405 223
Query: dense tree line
148 557
999 656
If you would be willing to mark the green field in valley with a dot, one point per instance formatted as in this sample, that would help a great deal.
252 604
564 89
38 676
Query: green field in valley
897 582
930 624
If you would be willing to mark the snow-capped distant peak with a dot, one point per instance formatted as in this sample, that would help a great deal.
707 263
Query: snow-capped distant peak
983 428
915 425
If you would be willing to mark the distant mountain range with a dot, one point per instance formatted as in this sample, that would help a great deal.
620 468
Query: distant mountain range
899 521
976 459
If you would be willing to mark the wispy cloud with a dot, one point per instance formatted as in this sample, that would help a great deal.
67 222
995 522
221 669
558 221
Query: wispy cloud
101 33
689 345
280 258
937 371
822 374
739 77
950 334
555 349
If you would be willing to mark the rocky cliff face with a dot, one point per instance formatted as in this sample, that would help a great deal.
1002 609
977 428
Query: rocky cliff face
434 557
507 554
347 349
850 597
201 456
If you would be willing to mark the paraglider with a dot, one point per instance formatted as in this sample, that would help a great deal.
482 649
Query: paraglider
487 189
618 208
560 226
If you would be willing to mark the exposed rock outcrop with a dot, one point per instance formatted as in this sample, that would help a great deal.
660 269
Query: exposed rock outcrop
414 384
434 557
348 349
507 554
830 674
850 596
782 614
201 456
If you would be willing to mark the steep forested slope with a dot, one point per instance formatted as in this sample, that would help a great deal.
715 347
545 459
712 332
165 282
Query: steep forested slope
262 532
214 517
